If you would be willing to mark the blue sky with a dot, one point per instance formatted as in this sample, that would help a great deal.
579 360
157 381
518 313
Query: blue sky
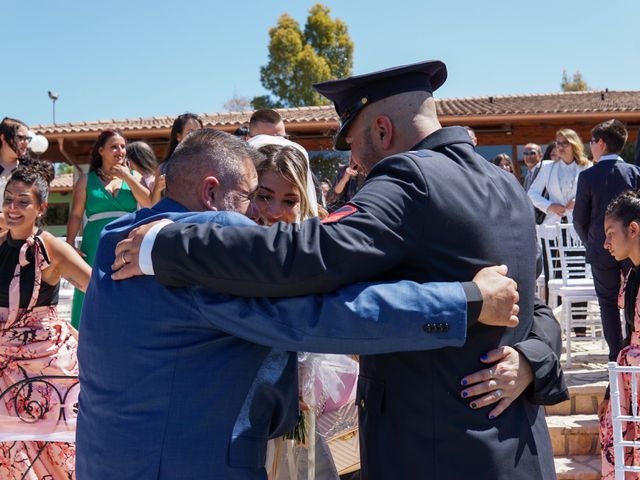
124 59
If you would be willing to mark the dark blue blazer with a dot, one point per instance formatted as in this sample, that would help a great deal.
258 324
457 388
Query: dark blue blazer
597 186
180 383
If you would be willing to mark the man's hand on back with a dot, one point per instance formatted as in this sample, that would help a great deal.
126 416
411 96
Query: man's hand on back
127 260
499 297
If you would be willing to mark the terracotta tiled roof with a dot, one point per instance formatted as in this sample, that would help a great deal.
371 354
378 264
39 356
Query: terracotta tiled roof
534 104
62 182
224 119
549 103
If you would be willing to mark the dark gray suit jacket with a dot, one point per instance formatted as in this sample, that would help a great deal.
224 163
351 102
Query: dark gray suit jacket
597 186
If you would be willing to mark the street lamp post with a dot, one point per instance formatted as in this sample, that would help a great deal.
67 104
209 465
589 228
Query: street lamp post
53 96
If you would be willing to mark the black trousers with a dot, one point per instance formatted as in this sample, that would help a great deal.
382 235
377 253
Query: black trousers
606 279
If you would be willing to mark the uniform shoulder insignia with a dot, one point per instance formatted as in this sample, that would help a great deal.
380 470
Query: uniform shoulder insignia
342 212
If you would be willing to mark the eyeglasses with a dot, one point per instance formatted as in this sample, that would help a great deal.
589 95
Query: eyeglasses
593 140
529 152
564 143
23 138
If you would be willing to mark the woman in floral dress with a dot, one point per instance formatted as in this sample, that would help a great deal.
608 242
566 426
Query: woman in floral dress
34 342
622 230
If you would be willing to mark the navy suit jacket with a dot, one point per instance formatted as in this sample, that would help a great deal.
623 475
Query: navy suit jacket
597 186
189 384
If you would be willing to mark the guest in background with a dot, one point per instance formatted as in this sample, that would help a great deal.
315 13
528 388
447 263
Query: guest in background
325 186
14 144
182 126
110 190
266 122
347 182
242 132
143 160
554 190
33 340
551 152
532 155
597 187
504 162
560 179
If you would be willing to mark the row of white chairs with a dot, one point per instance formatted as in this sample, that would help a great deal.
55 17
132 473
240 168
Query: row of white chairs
624 410
570 282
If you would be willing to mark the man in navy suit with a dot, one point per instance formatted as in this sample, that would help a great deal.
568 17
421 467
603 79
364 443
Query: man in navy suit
186 383
597 186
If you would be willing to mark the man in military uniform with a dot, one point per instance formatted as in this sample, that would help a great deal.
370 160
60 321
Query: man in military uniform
431 209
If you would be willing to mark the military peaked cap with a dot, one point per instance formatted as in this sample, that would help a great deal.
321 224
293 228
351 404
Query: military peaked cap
350 95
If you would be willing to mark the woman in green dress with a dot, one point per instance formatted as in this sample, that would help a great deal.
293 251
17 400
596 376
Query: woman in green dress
110 190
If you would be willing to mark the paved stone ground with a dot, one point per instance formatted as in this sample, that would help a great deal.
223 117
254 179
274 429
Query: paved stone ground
589 362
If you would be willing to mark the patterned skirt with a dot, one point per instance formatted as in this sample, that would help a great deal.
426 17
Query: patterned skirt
39 394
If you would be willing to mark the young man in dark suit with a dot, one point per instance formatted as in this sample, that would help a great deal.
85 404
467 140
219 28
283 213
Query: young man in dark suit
597 186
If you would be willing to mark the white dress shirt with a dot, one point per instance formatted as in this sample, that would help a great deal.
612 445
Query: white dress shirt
144 259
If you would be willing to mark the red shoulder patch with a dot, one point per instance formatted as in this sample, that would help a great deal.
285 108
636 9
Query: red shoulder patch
341 213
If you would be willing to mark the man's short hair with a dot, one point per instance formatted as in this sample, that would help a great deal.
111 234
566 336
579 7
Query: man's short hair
535 146
242 131
613 133
265 115
209 152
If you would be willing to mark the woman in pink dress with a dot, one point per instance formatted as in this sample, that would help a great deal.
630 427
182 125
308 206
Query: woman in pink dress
622 230
34 342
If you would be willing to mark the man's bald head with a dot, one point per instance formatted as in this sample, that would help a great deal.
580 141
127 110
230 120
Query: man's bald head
392 125
209 154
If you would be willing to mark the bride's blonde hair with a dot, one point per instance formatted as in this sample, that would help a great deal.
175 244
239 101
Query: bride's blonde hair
290 163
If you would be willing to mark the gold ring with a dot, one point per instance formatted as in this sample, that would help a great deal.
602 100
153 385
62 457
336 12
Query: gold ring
123 258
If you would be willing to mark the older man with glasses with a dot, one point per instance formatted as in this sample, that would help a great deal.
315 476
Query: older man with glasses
532 156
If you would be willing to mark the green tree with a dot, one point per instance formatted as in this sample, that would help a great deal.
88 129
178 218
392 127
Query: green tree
298 59
575 84
265 101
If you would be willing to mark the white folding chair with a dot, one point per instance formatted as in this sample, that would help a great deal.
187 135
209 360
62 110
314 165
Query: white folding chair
618 419
577 287
540 284
65 300
549 236
570 281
